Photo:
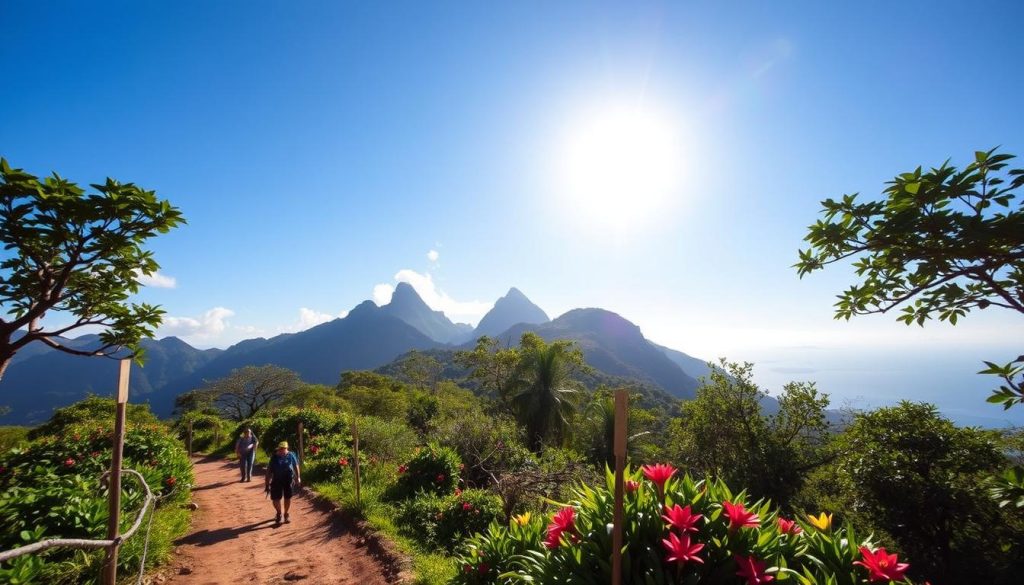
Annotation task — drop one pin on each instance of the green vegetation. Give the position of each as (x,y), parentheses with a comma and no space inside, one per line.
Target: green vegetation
(76,253)
(49,488)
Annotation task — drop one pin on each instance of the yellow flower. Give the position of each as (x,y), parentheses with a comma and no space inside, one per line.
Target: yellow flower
(821,522)
(522,519)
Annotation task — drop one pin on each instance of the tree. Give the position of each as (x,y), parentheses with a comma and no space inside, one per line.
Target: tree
(912,476)
(542,392)
(941,243)
(76,253)
(421,370)
(246,391)
(490,365)
(725,432)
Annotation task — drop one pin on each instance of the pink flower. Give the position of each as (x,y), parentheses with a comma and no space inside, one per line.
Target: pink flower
(659,473)
(632,486)
(563,521)
(740,517)
(554,537)
(681,550)
(467,506)
(752,570)
(789,526)
(881,565)
(314,449)
(69,462)
(682,519)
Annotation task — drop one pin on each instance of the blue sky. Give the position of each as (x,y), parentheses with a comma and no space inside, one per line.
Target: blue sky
(319,150)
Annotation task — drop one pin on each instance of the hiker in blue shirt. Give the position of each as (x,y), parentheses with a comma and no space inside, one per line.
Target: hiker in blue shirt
(245,448)
(282,471)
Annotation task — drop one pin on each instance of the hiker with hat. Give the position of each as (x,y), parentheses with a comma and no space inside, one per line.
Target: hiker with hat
(282,471)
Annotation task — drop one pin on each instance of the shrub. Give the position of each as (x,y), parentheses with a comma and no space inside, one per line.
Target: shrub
(387,440)
(50,489)
(94,409)
(434,470)
(676,530)
(488,446)
(446,520)
(316,422)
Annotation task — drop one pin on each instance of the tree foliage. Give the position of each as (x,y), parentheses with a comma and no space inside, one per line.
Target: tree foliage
(907,472)
(942,243)
(76,253)
(247,391)
(725,432)
(542,392)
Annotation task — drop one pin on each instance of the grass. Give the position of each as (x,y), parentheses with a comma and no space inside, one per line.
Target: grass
(429,567)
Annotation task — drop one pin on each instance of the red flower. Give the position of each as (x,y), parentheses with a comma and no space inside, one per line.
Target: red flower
(440,477)
(632,486)
(467,568)
(467,506)
(170,481)
(682,519)
(752,570)
(740,517)
(881,565)
(94,454)
(343,462)
(565,519)
(483,568)
(402,468)
(458,493)
(314,449)
(789,526)
(69,462)
(659,473)
(681,550)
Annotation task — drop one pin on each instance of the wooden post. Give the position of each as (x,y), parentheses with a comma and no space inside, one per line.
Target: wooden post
(216,437)
(621,401)
(109,576)
(300,445)
(188,441)
(355,457)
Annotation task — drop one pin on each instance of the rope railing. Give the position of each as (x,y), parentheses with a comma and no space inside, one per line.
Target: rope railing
(86,543)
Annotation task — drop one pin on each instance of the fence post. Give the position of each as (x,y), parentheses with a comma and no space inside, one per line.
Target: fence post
(188,442)
(300,446)
(355,457)
(216,437)
(109,576)
(621,400)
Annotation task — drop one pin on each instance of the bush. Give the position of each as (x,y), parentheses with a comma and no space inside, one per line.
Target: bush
(283,426)
(434,470)
(94,409)
(50,489)
(209,431)
(447,520)
(387,440)
(488,446)
(676,530)
(11,437)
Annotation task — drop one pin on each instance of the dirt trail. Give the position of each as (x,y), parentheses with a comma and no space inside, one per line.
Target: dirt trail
(234,539)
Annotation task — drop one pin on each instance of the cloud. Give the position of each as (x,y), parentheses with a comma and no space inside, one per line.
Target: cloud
(437,299)
(210,324)
(156,280)
(433,255)
(382,293)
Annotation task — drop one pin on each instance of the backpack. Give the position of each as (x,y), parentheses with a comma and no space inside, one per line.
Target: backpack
(281,467)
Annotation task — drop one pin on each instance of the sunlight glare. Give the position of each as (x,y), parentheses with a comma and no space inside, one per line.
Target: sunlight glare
(621,165)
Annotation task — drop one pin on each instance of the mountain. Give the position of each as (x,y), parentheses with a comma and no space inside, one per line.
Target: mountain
(614,346)
(694,367)
(409,307)
(46,378)
(509,310)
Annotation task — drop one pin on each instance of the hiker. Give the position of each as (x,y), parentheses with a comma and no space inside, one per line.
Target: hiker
(282,470)
(245,448)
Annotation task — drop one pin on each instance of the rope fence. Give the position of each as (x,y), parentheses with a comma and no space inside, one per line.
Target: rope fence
(86,543)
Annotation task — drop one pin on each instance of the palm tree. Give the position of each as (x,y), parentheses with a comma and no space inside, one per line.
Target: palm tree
(543,394)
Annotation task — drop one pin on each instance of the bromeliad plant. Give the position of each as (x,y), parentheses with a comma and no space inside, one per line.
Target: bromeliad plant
(676,530)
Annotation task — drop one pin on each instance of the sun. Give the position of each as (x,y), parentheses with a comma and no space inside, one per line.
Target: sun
(620,165)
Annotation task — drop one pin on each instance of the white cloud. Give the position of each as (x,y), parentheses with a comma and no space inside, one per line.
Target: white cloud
(212,323)
(156,280)
(382,293)
(433,255)
(437,299)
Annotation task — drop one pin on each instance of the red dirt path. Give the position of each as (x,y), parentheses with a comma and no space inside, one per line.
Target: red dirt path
(233,538)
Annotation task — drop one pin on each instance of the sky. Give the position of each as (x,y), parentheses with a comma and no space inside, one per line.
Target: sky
(321,152)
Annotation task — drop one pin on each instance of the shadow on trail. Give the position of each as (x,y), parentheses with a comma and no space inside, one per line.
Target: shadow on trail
(213,486)
(209,537)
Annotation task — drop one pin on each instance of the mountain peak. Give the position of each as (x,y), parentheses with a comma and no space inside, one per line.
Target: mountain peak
(405,294)
(509,310)
(408,305)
